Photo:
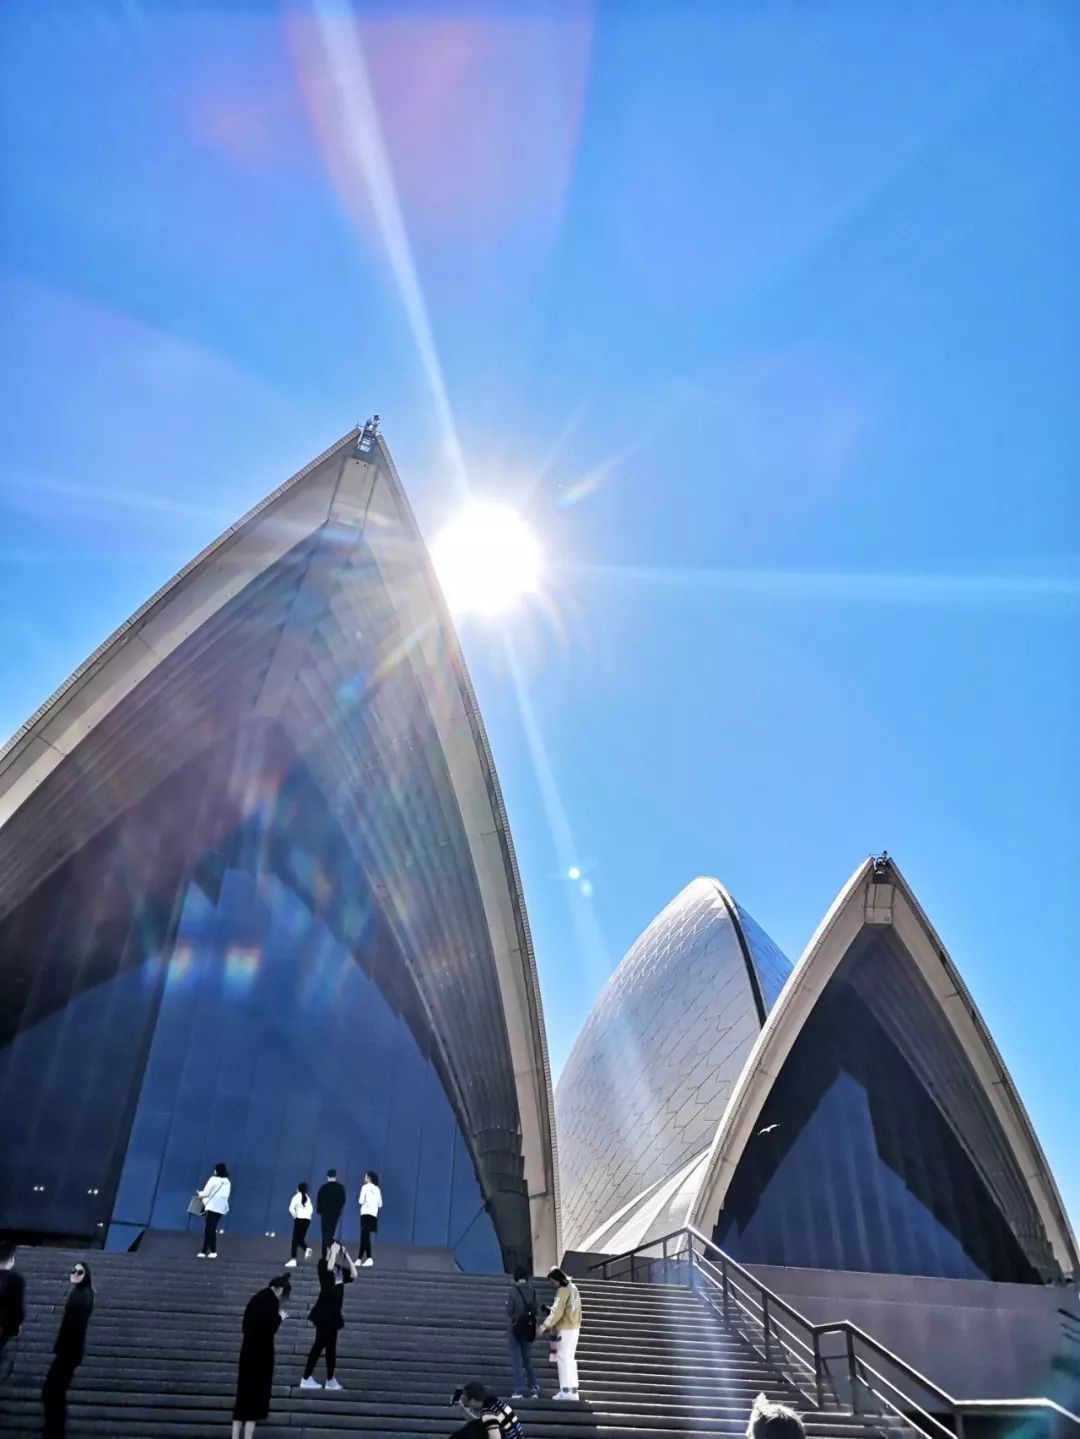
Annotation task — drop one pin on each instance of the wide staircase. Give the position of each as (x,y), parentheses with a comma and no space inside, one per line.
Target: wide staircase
(165,1334)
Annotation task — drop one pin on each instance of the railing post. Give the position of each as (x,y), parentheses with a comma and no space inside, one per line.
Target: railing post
(958,1421)
(631,1269)
(819,1378)
(724,1276)
(691,1268)
(664,1252)
(765,1322)
(853,1372)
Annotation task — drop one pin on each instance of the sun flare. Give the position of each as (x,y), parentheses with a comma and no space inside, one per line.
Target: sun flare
(486,558)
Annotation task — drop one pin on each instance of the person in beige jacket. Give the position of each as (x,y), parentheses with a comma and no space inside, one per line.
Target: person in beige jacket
(564,1319)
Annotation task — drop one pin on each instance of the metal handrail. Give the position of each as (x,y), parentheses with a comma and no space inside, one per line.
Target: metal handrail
(766,1303)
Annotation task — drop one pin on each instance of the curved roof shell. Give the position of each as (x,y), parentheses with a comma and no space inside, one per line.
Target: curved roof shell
(647,1081)
(877,938)
(272,628)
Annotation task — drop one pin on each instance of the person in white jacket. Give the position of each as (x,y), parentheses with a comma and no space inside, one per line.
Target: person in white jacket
(370,1204)
(215,1197)
(301,1209)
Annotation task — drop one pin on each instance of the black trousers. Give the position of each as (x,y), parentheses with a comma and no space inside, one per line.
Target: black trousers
(54,1395)
(368,1225)
(324,1339)
(329,1224)
(299,1236)
(209,1244)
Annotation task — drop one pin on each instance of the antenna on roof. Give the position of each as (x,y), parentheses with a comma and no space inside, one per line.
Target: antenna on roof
(366,443)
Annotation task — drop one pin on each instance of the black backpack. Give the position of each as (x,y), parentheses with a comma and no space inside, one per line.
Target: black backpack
(524,1326)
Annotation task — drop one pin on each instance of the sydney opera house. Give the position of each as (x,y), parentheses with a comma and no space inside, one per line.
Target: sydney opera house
(259,903)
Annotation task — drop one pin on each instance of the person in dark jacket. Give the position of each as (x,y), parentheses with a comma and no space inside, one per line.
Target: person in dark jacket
(335,1271)
(12,1308)
(521,1311)
(329,1203)
(489,1416)
(68,1351)
(255,1374)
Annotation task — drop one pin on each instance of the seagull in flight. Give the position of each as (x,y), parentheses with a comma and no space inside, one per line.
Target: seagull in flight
(768,1129)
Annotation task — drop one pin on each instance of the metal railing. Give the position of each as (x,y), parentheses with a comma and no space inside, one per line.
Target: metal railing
(834,1366)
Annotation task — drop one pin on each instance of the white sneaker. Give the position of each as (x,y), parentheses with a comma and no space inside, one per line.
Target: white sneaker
(312,1383)
(332,1384)
(563,1394)
(211,1256)
(200,1255)
(290,1264)
(366,1263)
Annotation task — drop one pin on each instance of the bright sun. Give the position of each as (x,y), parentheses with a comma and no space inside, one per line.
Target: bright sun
(486,558)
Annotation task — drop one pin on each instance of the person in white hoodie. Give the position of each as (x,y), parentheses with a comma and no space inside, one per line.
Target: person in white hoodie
(370,1204)
(301,1209)
(215,1197)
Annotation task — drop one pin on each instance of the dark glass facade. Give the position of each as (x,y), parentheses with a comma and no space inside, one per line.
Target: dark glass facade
(854,1165)
(245,1031)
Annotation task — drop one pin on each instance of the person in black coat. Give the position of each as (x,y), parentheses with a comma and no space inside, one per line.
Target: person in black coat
(12,1308)
(255,1373)
(329,1203)
(68,1351)
(335,1271)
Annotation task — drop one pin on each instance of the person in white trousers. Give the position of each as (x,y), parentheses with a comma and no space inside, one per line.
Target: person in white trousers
(564,1319)
(370,1204)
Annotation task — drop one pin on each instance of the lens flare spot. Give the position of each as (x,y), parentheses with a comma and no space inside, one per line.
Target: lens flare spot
(487,558)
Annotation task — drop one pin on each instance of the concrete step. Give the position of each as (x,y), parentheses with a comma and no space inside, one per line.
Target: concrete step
(165,1336)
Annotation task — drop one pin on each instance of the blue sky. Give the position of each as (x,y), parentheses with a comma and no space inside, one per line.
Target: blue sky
(765,313)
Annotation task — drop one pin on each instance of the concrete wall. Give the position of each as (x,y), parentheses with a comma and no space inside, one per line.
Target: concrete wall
(975,1339)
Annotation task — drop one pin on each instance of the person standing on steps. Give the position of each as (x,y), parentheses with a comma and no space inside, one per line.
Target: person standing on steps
(68,1351)
(329,1203)
(564,1319)
(12,1309)
(335,1271)
(215,1197)
(255,1373)
(521,1310)
(370,1204)
(301,1210)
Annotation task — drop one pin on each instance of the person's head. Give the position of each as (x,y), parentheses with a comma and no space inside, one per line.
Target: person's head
(773,1421)
(331,1174)
(559,1278)
(281,1284)
(370,1177)
(302,1188)
(473,1397)
(221,1171)
(80,1275)
(7,1254)
(520,1274)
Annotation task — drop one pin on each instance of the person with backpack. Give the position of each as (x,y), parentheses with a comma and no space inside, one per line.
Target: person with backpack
(564,1320)
(521,1308)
